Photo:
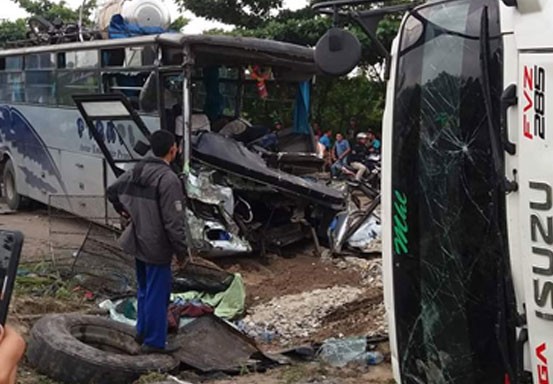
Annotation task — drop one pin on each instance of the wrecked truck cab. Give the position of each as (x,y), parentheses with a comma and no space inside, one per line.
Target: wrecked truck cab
(235,203)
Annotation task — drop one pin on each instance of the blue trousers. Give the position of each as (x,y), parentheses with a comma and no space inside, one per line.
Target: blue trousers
(336,168)
(154,290)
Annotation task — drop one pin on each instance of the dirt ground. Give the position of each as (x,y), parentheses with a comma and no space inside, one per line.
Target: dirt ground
(264,280)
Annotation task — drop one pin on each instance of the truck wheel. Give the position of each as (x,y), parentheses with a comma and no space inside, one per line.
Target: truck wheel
(13,199)
(75,348)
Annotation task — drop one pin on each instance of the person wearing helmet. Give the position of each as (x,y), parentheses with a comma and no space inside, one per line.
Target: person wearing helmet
(359,153)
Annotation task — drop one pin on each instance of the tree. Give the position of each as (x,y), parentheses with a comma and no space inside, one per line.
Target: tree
(244,13)
(179,23)
(12,30)
(335,100)
(51,10)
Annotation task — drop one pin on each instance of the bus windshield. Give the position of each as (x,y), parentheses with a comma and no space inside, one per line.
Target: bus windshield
(448,263)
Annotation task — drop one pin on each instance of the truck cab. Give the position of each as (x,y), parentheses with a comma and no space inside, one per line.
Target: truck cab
(467,191)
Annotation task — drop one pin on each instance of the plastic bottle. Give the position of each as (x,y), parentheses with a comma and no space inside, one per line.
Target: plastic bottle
(374,357)
(341,352)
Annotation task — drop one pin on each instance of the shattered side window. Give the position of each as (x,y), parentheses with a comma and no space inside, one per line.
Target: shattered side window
(447,243)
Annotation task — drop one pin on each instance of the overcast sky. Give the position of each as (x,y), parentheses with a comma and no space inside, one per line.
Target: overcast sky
(196,25)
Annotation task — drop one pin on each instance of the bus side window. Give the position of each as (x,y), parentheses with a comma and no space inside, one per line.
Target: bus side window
(12,87)
(113,57)
(40,78)
(129,84)
(76,75)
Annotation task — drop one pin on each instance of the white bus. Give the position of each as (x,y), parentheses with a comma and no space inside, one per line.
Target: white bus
(48,154)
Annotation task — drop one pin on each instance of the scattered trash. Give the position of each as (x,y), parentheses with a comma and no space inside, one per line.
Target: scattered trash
(356,230)
(210,344)
(300,315)
(259,333)
(202,276)
(228,304)
(356,350)
(302,353)
(181,309)
(89,295)
(368,237)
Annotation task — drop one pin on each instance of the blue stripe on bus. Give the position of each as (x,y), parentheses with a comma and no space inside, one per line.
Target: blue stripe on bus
(23,138)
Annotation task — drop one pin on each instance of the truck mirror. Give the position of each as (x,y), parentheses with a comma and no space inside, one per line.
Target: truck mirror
(338,52)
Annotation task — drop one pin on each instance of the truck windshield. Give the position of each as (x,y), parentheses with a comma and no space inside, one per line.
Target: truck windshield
(449,245)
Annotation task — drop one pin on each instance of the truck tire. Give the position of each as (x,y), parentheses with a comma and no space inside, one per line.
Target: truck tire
(14,200)
(74,348)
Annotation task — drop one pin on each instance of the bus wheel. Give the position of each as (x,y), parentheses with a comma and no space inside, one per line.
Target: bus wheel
(13,199)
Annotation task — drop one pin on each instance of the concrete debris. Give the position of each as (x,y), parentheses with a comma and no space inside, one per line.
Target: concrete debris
(299,315)
(370,270)
(380,320)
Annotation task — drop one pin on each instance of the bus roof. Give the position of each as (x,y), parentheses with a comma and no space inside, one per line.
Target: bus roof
(206,48)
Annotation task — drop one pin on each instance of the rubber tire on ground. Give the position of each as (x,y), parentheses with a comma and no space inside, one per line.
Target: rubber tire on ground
(54,350)
(14,200)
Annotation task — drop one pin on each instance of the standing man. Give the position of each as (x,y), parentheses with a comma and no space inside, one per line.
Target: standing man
(339,154)
(151,197)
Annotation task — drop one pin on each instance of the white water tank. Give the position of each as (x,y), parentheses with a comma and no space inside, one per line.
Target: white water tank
(146,13)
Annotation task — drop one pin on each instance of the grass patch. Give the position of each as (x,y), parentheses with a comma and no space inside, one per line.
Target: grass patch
(43,280)
(294,374)
(151,378)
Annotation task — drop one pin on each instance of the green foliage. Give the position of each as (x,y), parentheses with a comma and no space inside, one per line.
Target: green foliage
(50,9)
(12,30)
(245,13)
(335,101)
(179,23)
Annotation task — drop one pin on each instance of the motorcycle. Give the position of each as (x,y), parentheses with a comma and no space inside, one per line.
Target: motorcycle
(370,182)
(42,31)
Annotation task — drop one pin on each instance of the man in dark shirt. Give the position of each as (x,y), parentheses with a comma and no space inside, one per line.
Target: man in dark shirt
(151,197)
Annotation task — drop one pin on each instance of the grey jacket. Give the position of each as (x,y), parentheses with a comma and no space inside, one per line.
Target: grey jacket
(152,195)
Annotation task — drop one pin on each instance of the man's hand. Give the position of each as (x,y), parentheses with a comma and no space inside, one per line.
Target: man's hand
(181,262)
(12,347)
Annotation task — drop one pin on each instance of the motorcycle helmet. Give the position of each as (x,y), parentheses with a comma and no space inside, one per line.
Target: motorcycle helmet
(362,136)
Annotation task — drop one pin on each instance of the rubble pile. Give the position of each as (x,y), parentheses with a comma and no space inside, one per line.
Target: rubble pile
(370,270)
(380,320)
(299,315)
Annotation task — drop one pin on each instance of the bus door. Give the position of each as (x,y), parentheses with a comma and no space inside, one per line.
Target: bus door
(125,139)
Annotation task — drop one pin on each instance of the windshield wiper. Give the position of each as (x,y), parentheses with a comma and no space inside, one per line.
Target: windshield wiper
(505,290)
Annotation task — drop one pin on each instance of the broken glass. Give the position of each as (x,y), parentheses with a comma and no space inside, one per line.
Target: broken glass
(446,227)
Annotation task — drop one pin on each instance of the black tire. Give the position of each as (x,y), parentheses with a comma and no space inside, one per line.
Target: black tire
(82,349)
(14,200)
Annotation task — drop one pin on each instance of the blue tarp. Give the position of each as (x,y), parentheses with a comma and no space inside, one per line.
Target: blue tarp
(301,109)
(119,29)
